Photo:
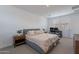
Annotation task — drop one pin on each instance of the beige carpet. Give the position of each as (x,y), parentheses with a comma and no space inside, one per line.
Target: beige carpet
(64,47)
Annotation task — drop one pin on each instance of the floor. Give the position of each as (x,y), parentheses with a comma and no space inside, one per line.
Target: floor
(64,47)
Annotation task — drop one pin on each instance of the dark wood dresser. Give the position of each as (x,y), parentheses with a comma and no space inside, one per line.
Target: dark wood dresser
(76,43)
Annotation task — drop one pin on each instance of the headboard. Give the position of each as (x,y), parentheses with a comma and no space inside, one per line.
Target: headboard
(26,30)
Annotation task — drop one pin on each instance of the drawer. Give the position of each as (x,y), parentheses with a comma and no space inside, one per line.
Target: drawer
(77,52)
(76,45)
(77,49)
(77,42)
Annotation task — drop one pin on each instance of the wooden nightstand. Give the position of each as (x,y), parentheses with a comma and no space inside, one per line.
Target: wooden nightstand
(45,32)
(18,40)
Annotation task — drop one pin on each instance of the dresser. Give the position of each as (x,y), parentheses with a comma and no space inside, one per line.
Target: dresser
(76,43)
(56,31)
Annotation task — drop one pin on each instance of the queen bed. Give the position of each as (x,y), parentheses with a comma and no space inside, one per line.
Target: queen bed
(40,41)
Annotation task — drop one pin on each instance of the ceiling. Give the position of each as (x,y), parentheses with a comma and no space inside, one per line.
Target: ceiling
(45,10)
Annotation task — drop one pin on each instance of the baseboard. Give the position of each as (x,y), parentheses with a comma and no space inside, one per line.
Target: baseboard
(11,45)
(67,37)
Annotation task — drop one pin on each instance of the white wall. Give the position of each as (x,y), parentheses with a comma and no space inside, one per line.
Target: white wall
(72,26)
(12,19)
(75,23)
(62,22)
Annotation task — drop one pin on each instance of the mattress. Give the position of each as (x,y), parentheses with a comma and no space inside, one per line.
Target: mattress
(43,40)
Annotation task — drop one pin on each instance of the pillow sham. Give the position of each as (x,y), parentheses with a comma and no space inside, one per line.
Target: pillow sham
(30,33)
(38,32)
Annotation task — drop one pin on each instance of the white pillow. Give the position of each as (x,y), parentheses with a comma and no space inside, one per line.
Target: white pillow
(39,32)
(34,32)
(30,33)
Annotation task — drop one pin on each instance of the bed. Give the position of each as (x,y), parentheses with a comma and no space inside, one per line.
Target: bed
(40,41)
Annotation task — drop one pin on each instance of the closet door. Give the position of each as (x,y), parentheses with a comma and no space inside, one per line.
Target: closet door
(66,30)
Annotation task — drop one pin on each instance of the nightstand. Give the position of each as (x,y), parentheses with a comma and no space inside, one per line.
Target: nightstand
(45,32)
(18,40)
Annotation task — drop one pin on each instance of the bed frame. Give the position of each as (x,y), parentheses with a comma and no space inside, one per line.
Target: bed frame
(35,46)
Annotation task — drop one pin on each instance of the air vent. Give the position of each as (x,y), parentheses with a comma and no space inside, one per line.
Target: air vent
(75,7)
